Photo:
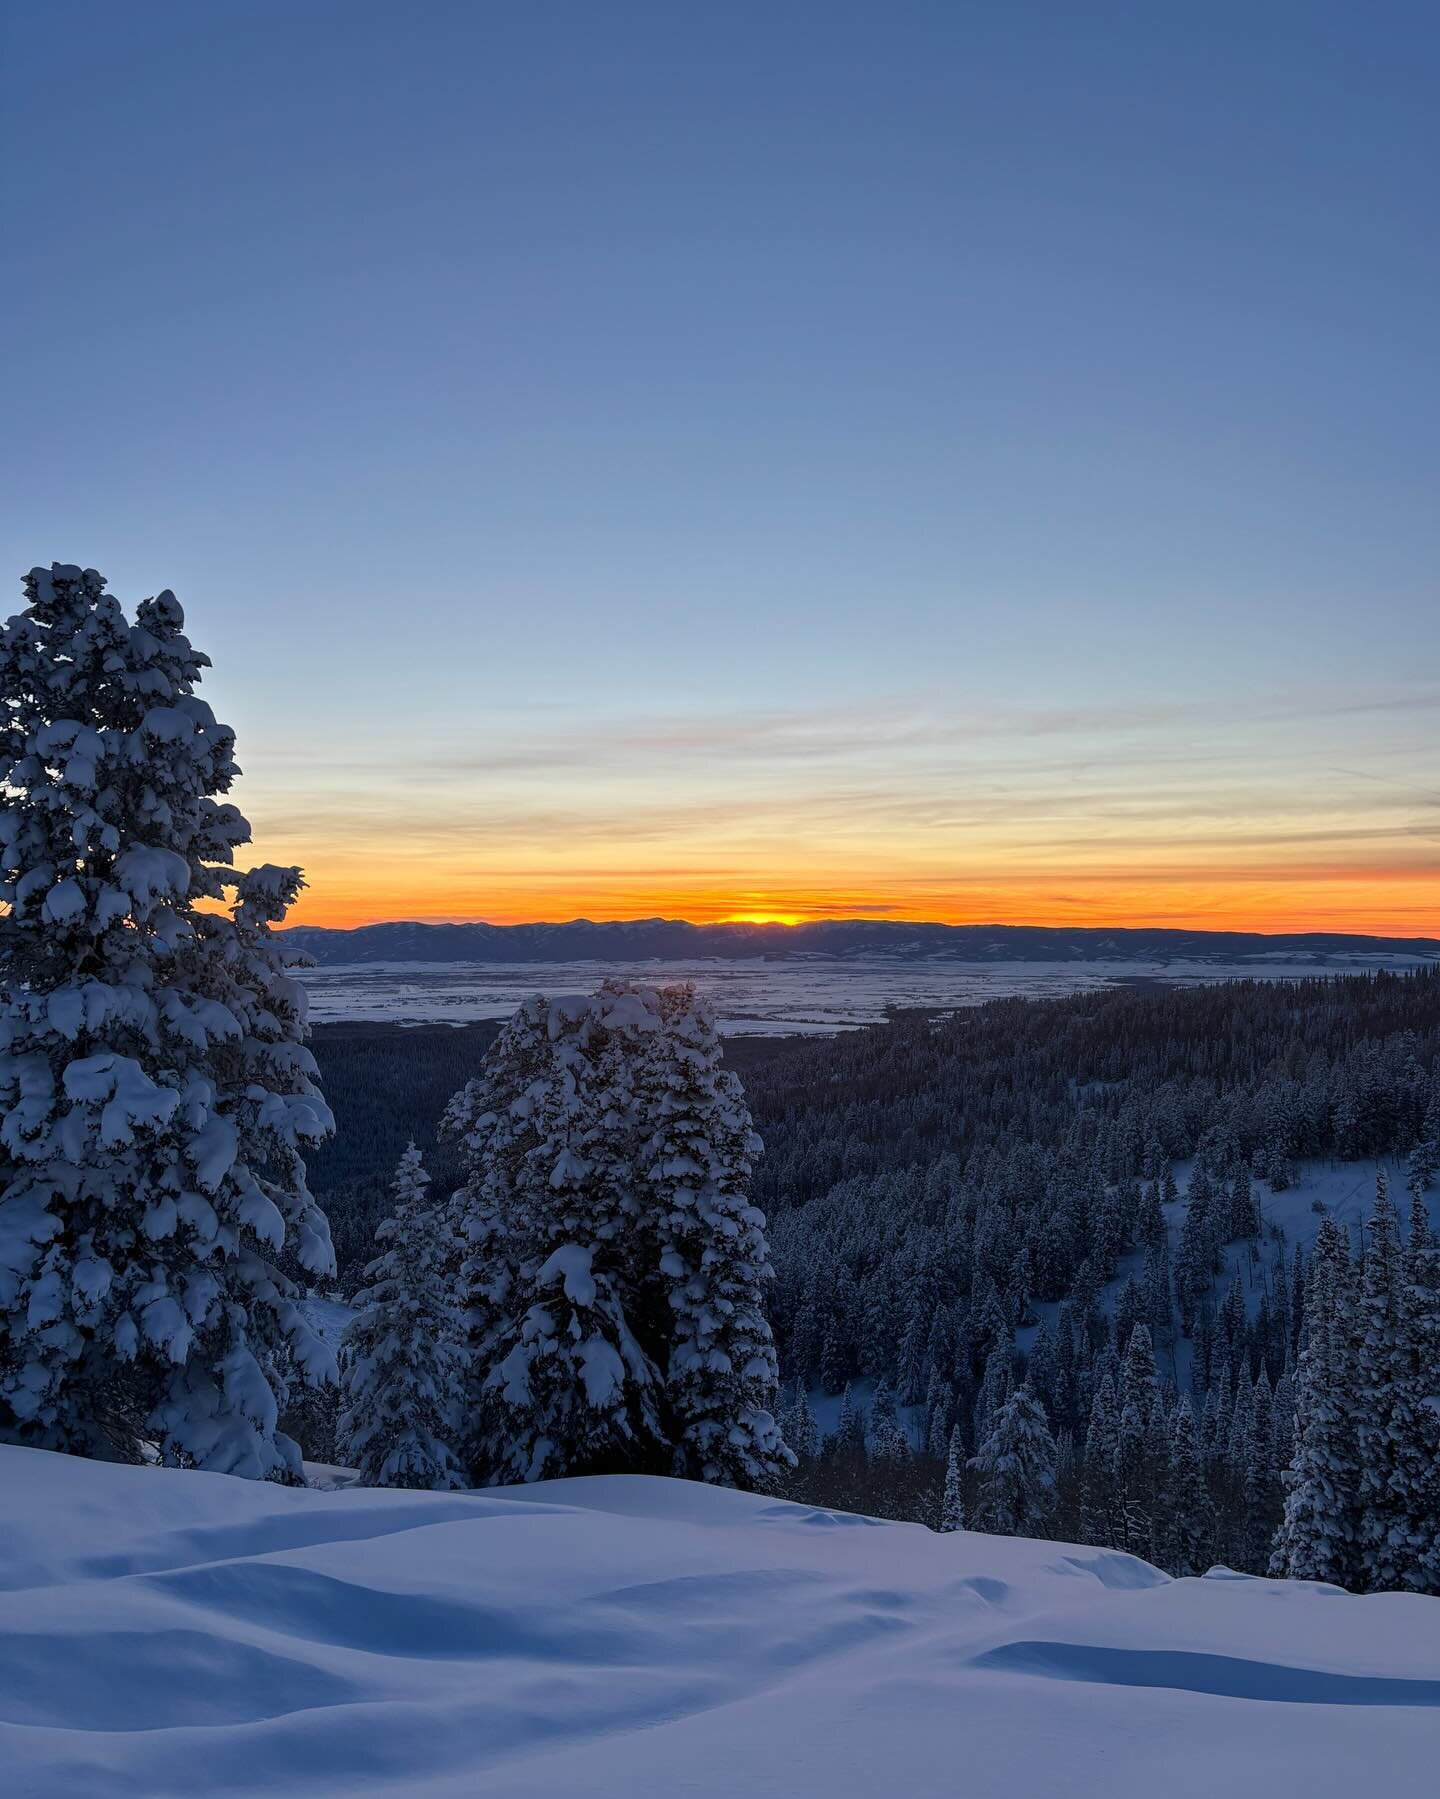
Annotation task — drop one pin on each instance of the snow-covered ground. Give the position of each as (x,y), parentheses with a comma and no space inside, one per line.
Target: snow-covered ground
(328,1318)
(166,1634)
(809,995)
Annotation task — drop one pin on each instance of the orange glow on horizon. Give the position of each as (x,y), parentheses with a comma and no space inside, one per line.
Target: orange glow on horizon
(1284,816)
(1400,903)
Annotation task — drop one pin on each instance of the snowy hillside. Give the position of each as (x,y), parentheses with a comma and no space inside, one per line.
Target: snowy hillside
(165,1633)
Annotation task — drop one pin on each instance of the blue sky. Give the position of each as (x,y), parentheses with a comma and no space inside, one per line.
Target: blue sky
(797,457)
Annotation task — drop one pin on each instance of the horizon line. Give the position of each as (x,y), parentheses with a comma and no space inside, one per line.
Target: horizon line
(898,924)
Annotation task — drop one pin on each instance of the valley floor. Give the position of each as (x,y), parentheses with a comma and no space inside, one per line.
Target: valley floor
(166,1633)
(804,996)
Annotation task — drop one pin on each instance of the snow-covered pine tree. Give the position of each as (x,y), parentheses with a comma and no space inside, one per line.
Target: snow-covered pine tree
(570,1380)
(1158,1290)
(833,1376)
(1420,1167)
(497,1122)
(995,1387)
(1015,1469)
(1397,1439)
(1382,1329)
(1195,1258)
(1099,1519)
(888,1441)
(1257,1482)
(402,1360)
(1141,1455)
(1317,1538)
(1424,1160)
(850,1428)
(1422,1277)
(1283,1421)
(615,1271)
(941,1420)
(695,1159)
(952,1499)
(800,1428)
(1187,1521)
(155,1090)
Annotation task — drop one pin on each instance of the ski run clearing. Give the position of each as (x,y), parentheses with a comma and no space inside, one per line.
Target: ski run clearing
(170,1633)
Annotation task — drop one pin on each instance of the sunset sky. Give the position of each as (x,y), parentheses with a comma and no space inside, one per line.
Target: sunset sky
(973,462)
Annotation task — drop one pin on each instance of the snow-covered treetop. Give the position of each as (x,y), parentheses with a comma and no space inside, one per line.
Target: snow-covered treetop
(113,766)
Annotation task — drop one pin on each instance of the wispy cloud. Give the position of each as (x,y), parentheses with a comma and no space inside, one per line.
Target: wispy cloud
(822,734)
(890,810)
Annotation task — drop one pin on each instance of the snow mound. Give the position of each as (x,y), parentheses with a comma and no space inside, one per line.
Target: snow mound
(166,1633)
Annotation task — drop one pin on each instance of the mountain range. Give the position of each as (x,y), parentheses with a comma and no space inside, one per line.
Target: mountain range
(672,939)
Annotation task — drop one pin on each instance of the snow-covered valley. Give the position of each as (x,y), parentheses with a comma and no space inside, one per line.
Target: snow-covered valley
(795,996)
(167,1633)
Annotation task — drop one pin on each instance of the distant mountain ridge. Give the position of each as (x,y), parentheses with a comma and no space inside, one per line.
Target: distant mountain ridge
(672,939)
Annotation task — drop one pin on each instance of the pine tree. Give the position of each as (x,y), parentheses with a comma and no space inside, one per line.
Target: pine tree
(1397,1435)
(995,1387)
(1283,1412)
(616,1269)
(888,1441)
(1132,1307)
(1422,1277)
(1158,1289)
(1237,1445)
(1210,1429)
(797,1422)
(1424,1160)
(952,1502)
(402,1361)
(154,1085)
(807,1431)
(1217,1441)
(942,1406)
(1195,1258)
(1317,1538)
(1231,1323)
(915,1369)
(497,1121)
(1138,1463)
(1098,1519)
(721,1375)
(1244,1220)
(850,1428)
(1258,1519)
(1188,1516)
(1015,1469)
(1152,1231)
(566,1372)
(1420,1167)
(833,1376)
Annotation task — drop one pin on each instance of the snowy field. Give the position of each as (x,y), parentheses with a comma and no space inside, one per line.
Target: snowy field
(802,995)
(166,1634)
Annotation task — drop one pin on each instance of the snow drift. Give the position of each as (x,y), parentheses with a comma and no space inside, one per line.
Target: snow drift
(166,1633)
